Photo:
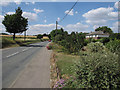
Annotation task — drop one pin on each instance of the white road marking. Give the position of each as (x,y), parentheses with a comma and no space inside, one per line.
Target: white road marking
(18,52)
(24,49)
(12,54)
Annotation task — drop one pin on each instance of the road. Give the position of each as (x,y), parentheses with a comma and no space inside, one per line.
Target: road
(14,60)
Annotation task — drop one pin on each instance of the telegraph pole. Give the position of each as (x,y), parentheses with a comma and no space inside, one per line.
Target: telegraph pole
(56,24)
(24,35)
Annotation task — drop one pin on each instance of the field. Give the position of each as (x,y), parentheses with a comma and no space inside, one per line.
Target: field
(7,40)
(20,37)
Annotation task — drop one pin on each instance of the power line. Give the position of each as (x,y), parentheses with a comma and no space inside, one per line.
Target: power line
(69,11)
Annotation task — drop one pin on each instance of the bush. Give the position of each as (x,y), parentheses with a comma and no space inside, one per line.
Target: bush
(6,42)
(39,36)
(95,47)
(58,38)
(97,68)
(114,46)
(49,47)
(105,40)
(86,42)
(115,36)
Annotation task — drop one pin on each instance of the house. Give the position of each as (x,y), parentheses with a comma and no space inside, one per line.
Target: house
(97,35)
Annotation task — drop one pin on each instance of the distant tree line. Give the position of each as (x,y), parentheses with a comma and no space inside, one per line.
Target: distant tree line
(75,41)
(39,36)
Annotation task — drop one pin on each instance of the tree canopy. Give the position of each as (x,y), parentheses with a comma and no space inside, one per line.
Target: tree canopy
(39,36)
(15,23)
(71,42)
(105,29)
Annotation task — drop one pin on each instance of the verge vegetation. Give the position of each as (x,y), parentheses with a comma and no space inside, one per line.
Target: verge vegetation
(9,42)
(86,63)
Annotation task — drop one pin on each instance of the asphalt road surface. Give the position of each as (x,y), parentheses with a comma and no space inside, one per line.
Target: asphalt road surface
(15,59)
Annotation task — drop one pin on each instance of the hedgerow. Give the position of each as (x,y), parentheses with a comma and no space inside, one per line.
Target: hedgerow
(97,68)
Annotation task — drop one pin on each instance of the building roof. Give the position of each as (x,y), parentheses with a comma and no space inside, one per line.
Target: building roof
(97,33)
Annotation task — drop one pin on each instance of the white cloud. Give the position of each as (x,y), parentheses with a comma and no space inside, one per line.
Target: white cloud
(58,19)
(45,21)
(27,3)
(76,12)
(30,16)
(70,13)
(38,10)
(100,16)
(116,4)
(1,17)
(33,2)
(4,3)
(18,1)
(53,0)
(41,29)
(96,26)
(79,27)
(115,27)
(113,15)
(2,28)
(97,22)
(10,13)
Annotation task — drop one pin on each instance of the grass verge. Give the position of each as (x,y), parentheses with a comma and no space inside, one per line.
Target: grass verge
(63,62)
(6,42)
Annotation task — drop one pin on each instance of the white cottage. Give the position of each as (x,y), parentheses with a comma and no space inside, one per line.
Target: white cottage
(97,35)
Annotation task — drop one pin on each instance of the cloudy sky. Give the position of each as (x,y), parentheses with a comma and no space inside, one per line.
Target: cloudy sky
(84,17)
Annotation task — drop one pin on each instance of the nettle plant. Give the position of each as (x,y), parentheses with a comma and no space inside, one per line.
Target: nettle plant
(97,68)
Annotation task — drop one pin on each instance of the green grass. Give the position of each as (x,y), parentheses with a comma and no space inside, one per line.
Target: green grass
(8,42)
(65,63)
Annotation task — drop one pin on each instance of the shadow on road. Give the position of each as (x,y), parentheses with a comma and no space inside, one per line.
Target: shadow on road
(31,45)
(35,46)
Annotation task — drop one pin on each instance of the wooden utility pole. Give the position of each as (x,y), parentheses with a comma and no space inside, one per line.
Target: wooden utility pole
(56,24)
(24,35)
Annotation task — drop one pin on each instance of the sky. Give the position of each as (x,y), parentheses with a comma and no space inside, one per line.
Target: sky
(84,17)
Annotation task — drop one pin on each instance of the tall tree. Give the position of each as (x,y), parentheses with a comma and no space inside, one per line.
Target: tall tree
(15,23)
(105,29)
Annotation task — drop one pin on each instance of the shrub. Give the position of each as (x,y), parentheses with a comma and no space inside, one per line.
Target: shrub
(114,46)
(115,36)
(39,36)
(58,38)
(97,68)
(49,47)
(6,42)
(86,42)
(95,47)
(105,40)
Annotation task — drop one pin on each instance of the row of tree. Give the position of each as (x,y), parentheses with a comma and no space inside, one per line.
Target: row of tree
(39,36)
(71,42)
(75,41)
